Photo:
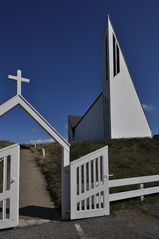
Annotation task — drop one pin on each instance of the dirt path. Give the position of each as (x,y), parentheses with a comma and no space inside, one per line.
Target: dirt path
(35,201)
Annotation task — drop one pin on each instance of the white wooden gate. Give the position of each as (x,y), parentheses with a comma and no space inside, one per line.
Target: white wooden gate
(89,185)
(9,186)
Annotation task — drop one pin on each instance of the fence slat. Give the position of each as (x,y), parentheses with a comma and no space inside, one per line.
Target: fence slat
(134,180)
(90,203)
(80,189)
(84,179)
(89,175)
(99,200)
(133,193)
(94,173)
(99,174)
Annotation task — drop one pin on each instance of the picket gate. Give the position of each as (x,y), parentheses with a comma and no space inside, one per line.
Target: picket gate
(89,185)
(9,186)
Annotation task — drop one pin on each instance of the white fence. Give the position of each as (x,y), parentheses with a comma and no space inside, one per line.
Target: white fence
(90,186)
(133,193)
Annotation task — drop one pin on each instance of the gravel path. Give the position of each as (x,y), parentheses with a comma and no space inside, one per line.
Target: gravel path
(35,202)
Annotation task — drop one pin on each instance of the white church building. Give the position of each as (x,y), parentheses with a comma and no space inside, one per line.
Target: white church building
(117,111)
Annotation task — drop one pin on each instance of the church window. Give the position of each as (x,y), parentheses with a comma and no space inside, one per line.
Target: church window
(116,57)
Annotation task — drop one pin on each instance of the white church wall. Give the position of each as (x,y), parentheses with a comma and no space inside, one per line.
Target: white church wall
(91,125)
(126,113)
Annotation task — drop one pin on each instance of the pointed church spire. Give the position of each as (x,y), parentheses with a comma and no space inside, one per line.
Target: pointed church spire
(127,118)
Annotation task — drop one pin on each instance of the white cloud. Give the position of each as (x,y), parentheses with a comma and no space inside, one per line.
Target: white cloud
(148,107)
(40,141)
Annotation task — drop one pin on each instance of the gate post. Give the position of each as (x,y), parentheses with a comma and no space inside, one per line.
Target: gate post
(65,182)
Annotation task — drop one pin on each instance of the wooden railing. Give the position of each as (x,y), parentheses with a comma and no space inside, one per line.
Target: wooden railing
(133,193)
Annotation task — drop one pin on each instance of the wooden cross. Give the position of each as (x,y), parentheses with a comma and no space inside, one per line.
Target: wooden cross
(19,80)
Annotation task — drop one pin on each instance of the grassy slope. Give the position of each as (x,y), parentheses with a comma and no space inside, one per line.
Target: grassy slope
(127,158)
(4,143)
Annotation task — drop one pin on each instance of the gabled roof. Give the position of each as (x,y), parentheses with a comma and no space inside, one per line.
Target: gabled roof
(20,100)
(81,118)
(73,119)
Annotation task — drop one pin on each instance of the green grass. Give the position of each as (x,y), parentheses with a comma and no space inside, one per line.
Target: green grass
(127,158)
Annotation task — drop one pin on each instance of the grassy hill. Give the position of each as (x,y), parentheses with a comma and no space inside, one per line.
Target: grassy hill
(4,143)
(127,158)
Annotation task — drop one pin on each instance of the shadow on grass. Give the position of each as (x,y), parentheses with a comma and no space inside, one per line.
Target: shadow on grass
(40,212)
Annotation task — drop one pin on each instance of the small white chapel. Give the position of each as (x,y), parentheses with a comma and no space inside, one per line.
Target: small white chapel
(117,111)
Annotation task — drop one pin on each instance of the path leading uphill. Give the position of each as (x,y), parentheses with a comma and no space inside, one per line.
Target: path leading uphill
(35,203)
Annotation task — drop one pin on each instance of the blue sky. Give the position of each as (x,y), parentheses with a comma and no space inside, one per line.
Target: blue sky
(58,45)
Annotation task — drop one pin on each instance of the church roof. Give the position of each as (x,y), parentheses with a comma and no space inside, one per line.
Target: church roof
(74,119)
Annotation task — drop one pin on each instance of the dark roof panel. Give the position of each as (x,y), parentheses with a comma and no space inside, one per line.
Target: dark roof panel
(74,119)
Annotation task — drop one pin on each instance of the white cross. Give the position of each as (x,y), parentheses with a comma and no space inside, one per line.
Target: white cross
(19,80)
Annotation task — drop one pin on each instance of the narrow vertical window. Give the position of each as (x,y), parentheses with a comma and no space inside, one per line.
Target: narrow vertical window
(116,57)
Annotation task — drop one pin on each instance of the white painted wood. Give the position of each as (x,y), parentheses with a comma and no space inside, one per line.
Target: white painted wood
(43,152)
(94,174)
(4,185)
(125,195)
(13,193)
(99,174)
(131,181)
(19,80)
(10,104)
(65,178)
(65,161)
(90,193)
(133,193)
(85,183)
(141,187)
(95,188)
(19,100)
(89,167)
(80,180)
